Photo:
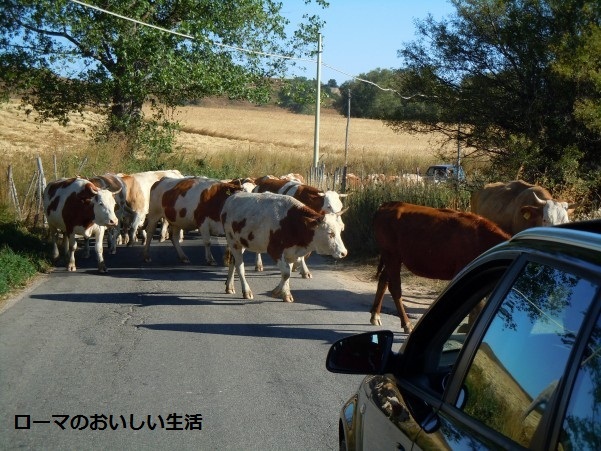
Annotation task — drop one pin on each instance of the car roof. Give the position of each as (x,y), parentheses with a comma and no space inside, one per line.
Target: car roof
(585,235)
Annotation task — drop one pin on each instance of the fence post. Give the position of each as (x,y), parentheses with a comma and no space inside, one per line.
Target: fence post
(40,191)
(13,191)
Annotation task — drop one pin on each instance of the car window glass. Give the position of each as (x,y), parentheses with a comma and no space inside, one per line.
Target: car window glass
(525,349)
(582,423)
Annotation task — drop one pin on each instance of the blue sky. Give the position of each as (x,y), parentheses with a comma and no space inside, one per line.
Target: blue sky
(362,35)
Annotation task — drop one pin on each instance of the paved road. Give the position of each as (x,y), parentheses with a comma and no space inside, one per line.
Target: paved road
(128,360)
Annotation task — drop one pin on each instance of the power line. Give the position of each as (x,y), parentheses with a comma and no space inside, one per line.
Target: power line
(241,49)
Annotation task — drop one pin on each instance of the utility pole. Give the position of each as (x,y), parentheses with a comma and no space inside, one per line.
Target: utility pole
(317,104)
(348,122)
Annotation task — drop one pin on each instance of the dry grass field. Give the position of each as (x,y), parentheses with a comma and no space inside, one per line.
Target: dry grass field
(263,138)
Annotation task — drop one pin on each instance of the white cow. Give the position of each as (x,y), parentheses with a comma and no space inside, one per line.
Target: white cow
(77,206)
(314,198)
(138,199)
(283,227)
(188,203)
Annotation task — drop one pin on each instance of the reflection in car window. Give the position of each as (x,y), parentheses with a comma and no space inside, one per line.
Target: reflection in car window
(582,423)
(525,349)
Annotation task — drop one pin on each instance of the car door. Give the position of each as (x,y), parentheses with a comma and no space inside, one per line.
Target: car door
(385,421)
(507,383)
(393,409)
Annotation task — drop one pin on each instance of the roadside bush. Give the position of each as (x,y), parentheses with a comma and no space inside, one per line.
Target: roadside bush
(16,270)
(23,253)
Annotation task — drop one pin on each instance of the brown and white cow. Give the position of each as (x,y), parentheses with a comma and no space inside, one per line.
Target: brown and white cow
(188,203)
(138,199)
(314,198)
(115,184)
(283,227)
(518,205)
(430,242)
(76,206)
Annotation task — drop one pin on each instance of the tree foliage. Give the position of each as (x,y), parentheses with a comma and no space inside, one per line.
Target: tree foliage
(518,81)
(62,56)
(371,98)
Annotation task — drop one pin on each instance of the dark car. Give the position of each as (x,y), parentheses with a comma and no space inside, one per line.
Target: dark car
(444,172)
(507,357)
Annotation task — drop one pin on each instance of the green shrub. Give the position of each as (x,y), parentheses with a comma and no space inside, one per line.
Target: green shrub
(15,269)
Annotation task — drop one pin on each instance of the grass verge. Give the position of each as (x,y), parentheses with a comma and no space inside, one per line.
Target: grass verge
(23,255)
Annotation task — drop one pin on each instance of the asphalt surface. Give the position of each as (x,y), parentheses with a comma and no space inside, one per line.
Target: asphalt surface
(158,356)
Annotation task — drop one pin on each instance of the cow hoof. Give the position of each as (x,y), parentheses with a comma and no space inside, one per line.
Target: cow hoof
(288,298)
(408,328)
(230,291)
(376,320)
(307,276)
(259,268)
(103,270)
(186,261)
(248,295)
(147,259)
(114,252)
(211,263)
(71,268)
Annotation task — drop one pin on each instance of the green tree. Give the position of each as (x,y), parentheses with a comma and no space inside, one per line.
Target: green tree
(374,96)
(62,56)
(298,95)
(367,100)
(502,76)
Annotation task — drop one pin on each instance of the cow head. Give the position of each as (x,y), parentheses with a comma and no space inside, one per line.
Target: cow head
(104,208)
(327,239)
(331,201)
(546,212)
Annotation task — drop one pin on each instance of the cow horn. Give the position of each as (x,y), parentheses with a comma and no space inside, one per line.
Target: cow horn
(342,211)
(538,200)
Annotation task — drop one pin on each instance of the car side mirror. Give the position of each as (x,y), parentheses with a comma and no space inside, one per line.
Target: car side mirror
(365,353)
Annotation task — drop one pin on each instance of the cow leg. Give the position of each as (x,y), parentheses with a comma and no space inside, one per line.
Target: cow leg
(376,320)
(229,281)
(259,263)
(147,238)
(137,222)
(86,247)
(53,233)
(238,263)
(164,236)
(178,248)
(283,288)
(304,269)
(205,233)
(71,252)
(111,239)
(65,245)
(394,286)
(98,246)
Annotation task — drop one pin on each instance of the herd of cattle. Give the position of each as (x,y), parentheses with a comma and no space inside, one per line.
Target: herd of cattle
(287,219)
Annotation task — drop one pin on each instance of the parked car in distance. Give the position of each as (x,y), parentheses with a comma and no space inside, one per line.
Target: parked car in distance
(507,357)
(444,172)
